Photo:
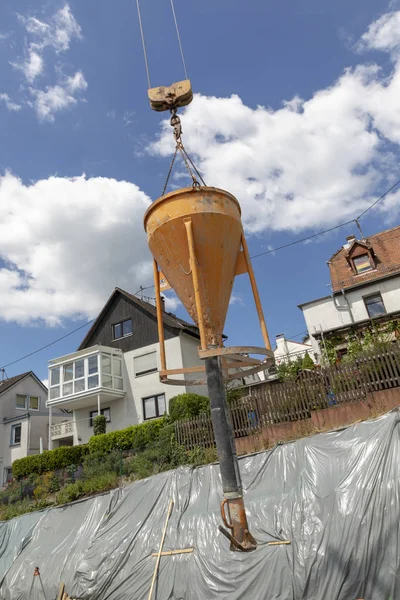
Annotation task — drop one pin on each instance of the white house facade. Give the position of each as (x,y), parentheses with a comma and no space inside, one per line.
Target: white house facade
(365,281)
(115,371)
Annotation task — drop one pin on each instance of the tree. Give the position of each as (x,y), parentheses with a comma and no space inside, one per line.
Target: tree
(99,425)
(186,406)
(307,362)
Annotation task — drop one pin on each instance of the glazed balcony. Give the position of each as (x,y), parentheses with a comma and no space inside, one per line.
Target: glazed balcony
(86,378)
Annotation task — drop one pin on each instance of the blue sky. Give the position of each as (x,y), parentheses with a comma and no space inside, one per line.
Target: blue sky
(296,113)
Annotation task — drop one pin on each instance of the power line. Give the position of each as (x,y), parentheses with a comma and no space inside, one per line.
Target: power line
(309,237)
(379,199)
(299,241)
(48,345)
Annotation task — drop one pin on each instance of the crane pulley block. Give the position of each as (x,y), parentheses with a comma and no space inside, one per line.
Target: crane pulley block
(167,98)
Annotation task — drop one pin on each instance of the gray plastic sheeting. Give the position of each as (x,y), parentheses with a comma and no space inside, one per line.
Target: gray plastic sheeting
(335,496)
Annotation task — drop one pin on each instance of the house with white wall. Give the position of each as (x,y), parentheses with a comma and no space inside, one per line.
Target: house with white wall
(115,370)
(290,351)
(24,419)
(365,282)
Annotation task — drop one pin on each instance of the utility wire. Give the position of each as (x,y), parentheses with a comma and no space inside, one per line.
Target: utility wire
(146,62)
(48,345)
(141,289)
(379,199)
(179,38)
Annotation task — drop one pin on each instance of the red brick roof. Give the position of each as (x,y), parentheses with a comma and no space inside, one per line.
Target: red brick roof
(384,248)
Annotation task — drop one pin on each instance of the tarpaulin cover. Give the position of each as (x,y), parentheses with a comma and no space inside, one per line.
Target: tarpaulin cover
(335,496)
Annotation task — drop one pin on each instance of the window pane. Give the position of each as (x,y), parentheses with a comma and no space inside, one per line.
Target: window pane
(79,386)
(117,331)
(147,363)
(127,327)
(79,369)
(34,402)
(362,263)
(55,392)
(106,380)
(16,434)
(20,401)
(93,382)
(118,383)
(55,376)
(92,364)
(374,305)
(67,389)
(68,371)
(161,404)
(106,412)
(106,363)
(117,367)
(149,406)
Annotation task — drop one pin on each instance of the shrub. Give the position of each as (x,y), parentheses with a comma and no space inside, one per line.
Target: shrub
(99,425)
(307,362)
(135,437)
(201,456)
(101,483)
(97,464)
(50,460)
(70,493)
(186,406)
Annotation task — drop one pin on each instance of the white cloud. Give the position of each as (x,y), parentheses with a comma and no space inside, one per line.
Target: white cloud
(235,299)
(10,105)
(31,67)
(57,32)
(309,163)
(66,243)
(382,34)
(58,97)
(172,302)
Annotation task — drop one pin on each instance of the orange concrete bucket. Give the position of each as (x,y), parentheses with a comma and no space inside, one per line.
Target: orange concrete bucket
(195,236)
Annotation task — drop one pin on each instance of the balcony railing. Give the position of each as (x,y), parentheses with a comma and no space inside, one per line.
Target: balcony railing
(62,430)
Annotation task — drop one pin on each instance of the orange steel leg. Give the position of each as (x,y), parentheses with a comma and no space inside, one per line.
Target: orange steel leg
(160,323)
(256,295)
(196,282)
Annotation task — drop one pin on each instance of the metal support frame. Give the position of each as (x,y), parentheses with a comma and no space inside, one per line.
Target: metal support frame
(240,537)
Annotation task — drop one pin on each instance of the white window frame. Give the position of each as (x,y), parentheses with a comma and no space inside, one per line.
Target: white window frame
(73,380)
(121,337)
(27,402)
(149,372)
(12,434)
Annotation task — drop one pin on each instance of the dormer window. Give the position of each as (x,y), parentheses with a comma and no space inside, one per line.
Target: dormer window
(362,264)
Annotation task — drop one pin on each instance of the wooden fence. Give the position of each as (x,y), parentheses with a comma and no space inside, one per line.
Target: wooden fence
(270,403)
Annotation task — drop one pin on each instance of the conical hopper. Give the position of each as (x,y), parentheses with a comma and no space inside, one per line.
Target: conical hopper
(209,219)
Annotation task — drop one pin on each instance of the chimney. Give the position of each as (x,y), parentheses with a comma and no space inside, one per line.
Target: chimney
(349,240)
(162,303)
(280,339)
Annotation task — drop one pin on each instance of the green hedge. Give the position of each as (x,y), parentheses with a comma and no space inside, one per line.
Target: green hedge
(135,437)
(50,460)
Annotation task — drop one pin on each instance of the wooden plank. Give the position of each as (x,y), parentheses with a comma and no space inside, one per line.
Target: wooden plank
(280,543)
(170,507)
(390,368)
(173,552)
(61,591)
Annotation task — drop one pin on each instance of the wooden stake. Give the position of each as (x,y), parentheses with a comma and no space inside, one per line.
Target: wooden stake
(283,542)
(172,552)
(171,504)
(61,592)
